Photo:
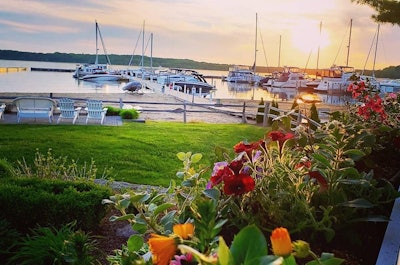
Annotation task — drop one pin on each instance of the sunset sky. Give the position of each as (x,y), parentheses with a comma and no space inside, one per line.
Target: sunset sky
(220,31)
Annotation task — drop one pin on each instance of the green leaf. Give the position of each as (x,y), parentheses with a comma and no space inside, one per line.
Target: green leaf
(181,156)
(358,203)
(135,243)
(121,218)
(372,218)
(321,159)
(354,154)
(212,194)
(189,182)
(140,228)
(326,259)
(248,244)
(224,255)
(196,158)
(124,203)
(162,208)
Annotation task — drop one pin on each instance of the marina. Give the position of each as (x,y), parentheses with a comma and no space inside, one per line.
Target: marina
(46,81)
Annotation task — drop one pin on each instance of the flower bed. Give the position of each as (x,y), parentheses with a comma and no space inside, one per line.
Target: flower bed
(326,186)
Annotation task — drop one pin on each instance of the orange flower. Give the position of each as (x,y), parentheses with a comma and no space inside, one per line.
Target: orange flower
(185,231)
(281,242)
(163,248)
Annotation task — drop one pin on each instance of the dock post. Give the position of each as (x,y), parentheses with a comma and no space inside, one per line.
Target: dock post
(121,104)
(244,120)
(184,112)
(266,112)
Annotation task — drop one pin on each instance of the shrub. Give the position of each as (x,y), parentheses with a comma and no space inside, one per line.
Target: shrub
(112,111)
(50,167)
(129,114)
(6,170)
(8,239)
(56,246)
(27,202)
(261,108)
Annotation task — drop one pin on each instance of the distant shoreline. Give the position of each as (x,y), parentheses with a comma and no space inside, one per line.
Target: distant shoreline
(392,72)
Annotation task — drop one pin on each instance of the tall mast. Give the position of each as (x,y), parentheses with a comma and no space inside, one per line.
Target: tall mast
(151,52)
(255,49)
(348,47)
(143,46)
(319,44)
(376,49)
(97,47)
(279,55)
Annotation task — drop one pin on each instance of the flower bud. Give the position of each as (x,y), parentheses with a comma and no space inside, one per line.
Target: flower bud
(301,249)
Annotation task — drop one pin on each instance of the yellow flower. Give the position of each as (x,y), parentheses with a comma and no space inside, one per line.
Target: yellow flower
(163,248)
(281,242)
(185,231)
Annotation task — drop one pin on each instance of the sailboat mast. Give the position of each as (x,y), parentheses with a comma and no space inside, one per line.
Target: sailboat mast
(348,47)
(376,49)
(151,52)
(279,55)
(142,64)
(255,49)
(97,46)
(319,44)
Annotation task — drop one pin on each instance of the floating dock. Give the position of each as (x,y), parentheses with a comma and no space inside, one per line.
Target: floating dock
(13,69)
(52,70)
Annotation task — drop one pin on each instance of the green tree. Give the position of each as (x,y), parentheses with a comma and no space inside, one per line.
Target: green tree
(388,11)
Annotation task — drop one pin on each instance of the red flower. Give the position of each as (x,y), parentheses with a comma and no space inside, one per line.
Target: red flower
(246,147)
(236,166)
(323,184)
(238,184)
(279,136)
(221,175)
(302,164)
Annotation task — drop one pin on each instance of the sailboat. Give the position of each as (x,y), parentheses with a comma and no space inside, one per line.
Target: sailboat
(337,78)
(96,71)
(243,73)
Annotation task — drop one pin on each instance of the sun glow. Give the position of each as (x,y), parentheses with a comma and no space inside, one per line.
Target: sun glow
(308,38)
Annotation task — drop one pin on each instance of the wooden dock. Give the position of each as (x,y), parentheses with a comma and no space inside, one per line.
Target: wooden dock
(12,69)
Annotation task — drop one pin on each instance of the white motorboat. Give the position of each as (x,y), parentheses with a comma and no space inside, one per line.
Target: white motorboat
(335,79)
(389,86)
(291,77)
(242,74)
(104,76)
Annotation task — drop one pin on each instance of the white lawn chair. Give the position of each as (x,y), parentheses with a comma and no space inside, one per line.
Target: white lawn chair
(68,110)
(2,109)
(95,111)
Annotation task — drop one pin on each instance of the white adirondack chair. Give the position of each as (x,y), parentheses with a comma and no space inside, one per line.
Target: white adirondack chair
(2,108)
(95,111)
(68,110)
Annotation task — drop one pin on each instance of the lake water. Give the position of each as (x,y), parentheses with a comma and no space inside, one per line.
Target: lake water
(63,82)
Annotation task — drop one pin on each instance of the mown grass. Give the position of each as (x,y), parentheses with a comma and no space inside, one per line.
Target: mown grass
(142,153)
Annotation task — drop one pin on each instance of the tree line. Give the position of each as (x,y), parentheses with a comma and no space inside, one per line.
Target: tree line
(392,72)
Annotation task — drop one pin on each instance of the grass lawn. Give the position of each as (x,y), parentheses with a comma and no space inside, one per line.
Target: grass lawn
(142,153)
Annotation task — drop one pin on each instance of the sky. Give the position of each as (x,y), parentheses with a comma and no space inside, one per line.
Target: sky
(302,33)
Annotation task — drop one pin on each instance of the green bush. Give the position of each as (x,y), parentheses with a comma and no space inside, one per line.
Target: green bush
(129,114)
(8,239)
(56,246)
(112,111)
(5,169)
(28,202)
(261,108)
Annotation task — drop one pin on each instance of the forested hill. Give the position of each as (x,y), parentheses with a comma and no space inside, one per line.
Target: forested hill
(114,59)
(392,72)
